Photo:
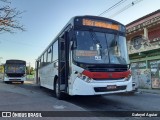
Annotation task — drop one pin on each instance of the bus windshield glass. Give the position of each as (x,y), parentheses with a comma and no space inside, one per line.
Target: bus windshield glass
(100,48)
(15,68)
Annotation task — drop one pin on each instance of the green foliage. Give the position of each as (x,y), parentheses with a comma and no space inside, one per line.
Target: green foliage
(30,70)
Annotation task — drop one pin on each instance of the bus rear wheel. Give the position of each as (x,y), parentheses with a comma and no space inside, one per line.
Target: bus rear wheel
(58,93)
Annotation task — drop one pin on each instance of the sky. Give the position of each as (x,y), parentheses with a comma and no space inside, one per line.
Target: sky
(43,20)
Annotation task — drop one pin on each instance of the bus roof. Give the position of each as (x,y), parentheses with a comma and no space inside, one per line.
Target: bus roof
(12,61)
(71,24)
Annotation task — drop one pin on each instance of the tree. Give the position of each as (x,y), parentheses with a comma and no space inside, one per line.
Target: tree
(29,70)
(8,18)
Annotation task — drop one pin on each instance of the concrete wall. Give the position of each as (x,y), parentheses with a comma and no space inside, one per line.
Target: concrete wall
(142,77)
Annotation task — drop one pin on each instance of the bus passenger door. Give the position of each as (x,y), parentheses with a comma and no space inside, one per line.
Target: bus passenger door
(36,68)
(63,62)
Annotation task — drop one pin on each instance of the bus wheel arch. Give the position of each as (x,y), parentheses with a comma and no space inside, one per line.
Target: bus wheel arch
(54,82)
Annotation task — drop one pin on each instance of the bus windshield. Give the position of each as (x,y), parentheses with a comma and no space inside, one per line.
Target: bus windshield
(15,68)
(100,48)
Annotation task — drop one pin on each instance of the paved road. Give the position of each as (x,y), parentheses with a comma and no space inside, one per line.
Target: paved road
(29,97)
(137,102)
(121,102)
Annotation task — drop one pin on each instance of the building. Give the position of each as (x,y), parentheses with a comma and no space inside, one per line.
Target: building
(143,40)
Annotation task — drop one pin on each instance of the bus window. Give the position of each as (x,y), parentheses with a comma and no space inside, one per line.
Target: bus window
(49,55)
(39,63)
(42,61)
(45,58)
(55,51)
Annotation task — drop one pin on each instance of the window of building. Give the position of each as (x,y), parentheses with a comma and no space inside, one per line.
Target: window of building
(137,42)
(154,34)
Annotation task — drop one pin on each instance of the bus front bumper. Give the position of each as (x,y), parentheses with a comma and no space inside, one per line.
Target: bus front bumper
(12,79)
(100,87)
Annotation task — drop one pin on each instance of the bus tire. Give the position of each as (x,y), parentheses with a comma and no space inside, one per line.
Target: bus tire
(58,93)
(8,82)
(22,82)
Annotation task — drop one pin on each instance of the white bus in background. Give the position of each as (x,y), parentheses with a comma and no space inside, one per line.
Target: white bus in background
(88,57)
(14,71)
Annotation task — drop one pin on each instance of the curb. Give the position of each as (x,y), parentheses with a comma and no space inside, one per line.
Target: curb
(149,91)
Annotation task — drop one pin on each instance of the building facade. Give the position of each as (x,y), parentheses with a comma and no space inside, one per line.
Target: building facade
(143,40)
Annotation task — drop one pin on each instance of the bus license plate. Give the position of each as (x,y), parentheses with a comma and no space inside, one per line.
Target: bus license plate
(111,87)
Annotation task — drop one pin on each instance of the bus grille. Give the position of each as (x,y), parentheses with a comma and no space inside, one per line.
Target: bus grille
(106,69)
(15,75)
(14,79)
(104,89)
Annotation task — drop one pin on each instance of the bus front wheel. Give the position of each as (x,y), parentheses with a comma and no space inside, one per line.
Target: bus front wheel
(58,93)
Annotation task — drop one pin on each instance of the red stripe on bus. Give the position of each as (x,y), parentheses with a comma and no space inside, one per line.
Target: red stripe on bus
(106,75)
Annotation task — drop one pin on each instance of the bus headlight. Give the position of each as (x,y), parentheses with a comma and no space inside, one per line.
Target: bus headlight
(84,77)
(127,78)
(5,75)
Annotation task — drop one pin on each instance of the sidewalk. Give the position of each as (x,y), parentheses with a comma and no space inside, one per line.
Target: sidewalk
(153,91)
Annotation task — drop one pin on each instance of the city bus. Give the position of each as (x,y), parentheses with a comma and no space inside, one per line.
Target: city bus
(14,71)
(88,57)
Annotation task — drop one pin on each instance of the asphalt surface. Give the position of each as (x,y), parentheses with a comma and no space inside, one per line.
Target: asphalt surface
(32,98)
(29,97)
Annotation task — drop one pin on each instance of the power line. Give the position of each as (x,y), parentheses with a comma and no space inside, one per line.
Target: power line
(112,7)
(125,8)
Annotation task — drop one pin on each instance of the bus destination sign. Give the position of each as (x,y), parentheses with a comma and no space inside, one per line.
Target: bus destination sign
(101,24)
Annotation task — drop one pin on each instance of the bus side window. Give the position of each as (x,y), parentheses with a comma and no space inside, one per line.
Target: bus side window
(49,55)
(42,61)
(55,51)
(39,63)
(45,58)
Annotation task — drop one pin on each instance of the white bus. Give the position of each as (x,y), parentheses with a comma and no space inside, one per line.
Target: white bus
(14,71)
(88,57)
